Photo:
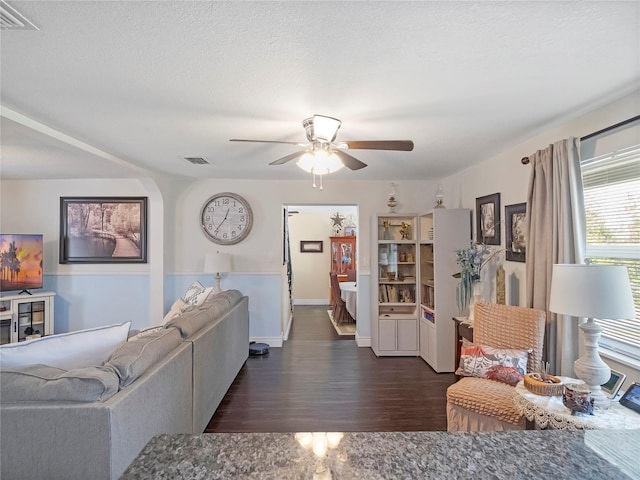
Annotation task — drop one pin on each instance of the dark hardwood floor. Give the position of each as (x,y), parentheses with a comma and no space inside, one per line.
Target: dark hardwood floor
(321,381)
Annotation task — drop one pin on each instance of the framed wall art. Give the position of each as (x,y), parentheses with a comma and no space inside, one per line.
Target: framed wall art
(488,219)
(103,229)
(515,225)
(311,246)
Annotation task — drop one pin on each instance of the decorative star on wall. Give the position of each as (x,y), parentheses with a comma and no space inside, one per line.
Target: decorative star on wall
(337,219)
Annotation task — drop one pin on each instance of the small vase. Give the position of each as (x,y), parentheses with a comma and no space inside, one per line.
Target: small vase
(475,298)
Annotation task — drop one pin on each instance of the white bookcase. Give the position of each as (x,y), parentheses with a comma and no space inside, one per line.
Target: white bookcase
(441,232)
(394,329)
(23,315)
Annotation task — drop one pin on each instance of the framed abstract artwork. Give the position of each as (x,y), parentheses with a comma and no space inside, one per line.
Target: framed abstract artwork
(515,226)
(488,219)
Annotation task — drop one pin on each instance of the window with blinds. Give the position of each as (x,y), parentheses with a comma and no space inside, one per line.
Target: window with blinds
(612,202)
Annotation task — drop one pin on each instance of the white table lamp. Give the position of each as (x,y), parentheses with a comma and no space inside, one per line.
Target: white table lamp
(592,291)
(217,263)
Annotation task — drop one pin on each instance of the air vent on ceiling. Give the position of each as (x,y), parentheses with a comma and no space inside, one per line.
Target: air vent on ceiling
(196,160)
(11,19)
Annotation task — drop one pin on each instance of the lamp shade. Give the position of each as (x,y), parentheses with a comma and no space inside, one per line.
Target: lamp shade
(217,263)
(594,291)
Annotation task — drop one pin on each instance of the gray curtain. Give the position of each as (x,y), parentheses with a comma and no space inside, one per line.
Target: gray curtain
(556,233)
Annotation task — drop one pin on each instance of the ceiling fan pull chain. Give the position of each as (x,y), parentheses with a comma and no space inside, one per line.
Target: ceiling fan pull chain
(321,187)
(314,178)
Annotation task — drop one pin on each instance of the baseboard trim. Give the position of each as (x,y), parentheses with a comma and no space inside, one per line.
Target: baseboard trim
(311,301)
(362,341)
(275,342)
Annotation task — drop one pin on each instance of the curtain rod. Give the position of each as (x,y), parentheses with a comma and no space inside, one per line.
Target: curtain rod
(525,160)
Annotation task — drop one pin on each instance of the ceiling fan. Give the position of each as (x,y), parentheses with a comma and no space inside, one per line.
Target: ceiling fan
(322,154)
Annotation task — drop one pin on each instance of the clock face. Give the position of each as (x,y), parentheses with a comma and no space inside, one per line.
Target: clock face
(226,218)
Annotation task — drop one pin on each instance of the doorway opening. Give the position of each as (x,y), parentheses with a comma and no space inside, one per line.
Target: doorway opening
(317,240)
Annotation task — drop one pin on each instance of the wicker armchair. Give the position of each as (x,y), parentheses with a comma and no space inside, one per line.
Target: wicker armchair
(479,404)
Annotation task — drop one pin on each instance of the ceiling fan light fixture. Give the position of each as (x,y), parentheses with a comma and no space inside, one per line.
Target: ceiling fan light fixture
(320,162)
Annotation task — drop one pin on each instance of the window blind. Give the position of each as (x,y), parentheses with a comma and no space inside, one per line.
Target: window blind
(612,203)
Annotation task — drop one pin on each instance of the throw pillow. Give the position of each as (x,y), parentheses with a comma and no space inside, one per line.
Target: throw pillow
(483,361)
(178,308)
(196,294)
(42,383)
(79,349)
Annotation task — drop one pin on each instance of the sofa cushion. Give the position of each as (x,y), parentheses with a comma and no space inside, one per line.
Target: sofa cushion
(79,349)
(232,296)
(190,322)
(133,358)
(144,333)
(46,383)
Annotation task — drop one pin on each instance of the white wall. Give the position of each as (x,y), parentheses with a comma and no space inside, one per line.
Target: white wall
(261,253)
(311,270)
(87,295)
(505,174)
(95,295)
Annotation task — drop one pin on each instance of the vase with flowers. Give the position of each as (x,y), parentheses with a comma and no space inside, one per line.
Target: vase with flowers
(471,261)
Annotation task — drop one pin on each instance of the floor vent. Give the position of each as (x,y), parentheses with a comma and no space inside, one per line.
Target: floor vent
(196,160)
(11,19)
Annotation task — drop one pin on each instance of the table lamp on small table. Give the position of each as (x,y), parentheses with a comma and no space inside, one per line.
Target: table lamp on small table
(592,291)
(217,263)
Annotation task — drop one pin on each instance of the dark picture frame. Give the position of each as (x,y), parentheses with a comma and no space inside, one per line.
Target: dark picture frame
(103,229)
(311,246)
(515,217)
(488,219)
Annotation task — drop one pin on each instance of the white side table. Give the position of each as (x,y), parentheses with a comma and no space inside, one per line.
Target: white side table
(550,412)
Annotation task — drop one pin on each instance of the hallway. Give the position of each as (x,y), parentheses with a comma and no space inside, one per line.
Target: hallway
(321,381)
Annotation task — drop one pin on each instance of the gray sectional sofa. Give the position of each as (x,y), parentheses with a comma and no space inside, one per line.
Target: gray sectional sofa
(91,423)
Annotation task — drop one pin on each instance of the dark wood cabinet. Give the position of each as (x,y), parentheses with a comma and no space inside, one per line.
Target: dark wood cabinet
(463,330)
(343,256)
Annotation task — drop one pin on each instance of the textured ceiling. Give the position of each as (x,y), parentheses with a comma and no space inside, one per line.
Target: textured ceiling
(152,82)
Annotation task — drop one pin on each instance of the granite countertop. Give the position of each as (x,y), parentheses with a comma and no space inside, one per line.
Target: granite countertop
(393,455)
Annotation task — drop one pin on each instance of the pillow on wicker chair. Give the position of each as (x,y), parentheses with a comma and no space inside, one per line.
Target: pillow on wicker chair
(505,365)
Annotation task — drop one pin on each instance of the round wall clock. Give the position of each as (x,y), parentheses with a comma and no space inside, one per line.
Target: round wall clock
(226,218)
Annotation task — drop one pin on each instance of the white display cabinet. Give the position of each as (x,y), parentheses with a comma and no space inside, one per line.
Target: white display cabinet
(441,232)
(394,329)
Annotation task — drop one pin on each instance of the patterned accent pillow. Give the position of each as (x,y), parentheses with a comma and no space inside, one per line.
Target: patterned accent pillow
(505,365)
(196,294)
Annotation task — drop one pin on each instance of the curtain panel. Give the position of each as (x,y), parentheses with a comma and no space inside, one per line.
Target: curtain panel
(556,233)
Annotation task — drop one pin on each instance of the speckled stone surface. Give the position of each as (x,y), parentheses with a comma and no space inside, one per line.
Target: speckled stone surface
(557,455)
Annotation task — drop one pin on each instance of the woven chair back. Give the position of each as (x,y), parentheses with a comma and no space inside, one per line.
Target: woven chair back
(506,326)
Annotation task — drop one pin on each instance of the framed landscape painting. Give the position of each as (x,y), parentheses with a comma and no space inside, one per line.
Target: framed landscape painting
(515,221)
(103,229)
(488,219)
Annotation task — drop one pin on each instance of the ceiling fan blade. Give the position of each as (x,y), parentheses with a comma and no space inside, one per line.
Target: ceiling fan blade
(401,145)
(266,141)
(349,161)
(288,158)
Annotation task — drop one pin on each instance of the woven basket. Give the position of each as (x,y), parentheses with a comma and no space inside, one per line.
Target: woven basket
(541,388)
